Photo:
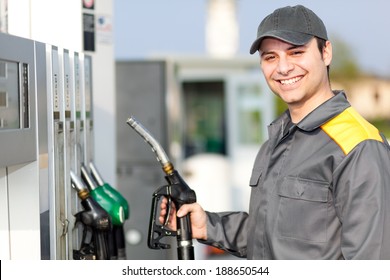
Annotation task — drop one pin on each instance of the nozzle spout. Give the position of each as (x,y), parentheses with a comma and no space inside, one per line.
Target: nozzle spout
(87,178)
(156,147)
(78,185)
(96,175)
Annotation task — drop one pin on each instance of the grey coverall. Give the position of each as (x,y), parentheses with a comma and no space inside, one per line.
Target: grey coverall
(320,190)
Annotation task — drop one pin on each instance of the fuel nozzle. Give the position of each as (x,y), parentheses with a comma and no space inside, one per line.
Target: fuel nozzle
(109,190)
(113,207)
(94,215)
(118,230)
(94,218)
(79,186)
(176,191)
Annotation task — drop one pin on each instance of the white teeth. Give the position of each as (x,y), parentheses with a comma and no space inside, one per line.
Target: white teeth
(290,81)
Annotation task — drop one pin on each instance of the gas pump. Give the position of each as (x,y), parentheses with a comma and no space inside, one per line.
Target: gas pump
(76,144)
(117,209)
(67,143)
(87,114)
(71,198)
(56,133)
(19,180)
(46,131)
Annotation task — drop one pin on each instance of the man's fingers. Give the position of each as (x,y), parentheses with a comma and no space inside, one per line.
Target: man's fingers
(184,210)
(164,203)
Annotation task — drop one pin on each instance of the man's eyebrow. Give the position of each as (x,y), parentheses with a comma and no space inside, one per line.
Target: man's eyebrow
(292,47)
(262,53)
(297,47)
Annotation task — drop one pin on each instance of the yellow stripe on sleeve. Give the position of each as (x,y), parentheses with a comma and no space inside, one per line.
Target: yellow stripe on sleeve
(348,129)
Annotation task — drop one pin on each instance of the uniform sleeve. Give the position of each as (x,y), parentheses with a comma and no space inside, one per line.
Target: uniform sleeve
(362,201)
(227,231)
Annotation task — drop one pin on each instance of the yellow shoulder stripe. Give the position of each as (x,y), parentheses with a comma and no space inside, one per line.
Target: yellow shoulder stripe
(348,129)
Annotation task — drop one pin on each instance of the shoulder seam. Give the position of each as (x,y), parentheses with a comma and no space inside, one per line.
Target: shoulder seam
(349,128)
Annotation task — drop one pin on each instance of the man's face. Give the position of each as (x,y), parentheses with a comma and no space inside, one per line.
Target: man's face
(297,74)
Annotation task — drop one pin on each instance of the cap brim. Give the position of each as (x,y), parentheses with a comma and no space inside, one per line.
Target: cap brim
(294,38)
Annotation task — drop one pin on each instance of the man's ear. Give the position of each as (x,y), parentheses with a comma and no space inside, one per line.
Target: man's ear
(327,53)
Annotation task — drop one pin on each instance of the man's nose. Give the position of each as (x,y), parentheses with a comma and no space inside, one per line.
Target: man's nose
(285,66)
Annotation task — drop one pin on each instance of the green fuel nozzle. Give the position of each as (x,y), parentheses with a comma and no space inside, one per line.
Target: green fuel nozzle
(119,231)
(113,208)
(112,192)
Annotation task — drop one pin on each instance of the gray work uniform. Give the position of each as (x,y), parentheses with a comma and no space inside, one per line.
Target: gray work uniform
(320,190)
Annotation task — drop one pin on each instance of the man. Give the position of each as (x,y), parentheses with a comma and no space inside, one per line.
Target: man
(321,183)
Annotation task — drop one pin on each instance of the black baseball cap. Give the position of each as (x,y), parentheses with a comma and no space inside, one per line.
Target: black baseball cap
(295,25)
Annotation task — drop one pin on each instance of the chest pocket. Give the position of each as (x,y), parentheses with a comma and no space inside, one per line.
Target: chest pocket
(255,178)
(303,209)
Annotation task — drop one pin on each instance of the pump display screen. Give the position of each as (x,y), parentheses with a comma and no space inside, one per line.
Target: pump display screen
(18,129)
(13,95)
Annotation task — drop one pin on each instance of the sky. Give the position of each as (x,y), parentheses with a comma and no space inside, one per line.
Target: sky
(157,27)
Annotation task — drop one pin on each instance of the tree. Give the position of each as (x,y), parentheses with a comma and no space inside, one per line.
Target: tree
(344,65)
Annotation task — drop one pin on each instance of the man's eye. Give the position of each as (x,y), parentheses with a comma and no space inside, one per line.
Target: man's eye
(297,53)
(269,58)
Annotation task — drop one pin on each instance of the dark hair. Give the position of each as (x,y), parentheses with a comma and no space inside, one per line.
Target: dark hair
(321,45)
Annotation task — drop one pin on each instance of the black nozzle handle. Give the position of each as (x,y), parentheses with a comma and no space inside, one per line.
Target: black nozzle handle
(157,231)
(112,247)
(180,194)
(101,250)
(119,234)
(185,249)
(177,191)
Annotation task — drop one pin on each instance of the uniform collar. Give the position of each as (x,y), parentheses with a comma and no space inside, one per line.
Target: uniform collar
(282,126)
(326,111)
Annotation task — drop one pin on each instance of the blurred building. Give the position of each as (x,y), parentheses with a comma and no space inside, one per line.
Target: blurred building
(371,97)
(222,30)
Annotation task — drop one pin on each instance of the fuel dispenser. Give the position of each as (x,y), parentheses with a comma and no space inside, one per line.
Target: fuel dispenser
(69,91)
(41,136)
(70,159)
(76,143)
(56,131)
(19,180)
(87,114)
(46,135)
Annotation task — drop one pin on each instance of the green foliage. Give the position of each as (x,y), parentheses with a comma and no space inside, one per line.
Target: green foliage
(345,69)
(344,65)
(383,126)
(281,106)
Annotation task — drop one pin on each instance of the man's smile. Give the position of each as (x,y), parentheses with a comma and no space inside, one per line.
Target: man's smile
(290,81)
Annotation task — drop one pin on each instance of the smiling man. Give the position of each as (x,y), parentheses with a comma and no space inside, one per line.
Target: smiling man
(321,182)
(297,73)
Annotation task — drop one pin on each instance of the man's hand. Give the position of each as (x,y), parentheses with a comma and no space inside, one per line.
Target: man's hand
(197,215)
